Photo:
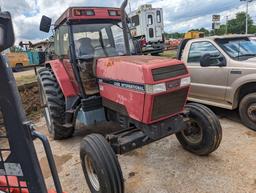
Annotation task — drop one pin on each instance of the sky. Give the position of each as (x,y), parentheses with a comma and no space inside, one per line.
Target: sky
(179,15)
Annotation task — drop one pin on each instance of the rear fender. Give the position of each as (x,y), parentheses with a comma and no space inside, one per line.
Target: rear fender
(63,78)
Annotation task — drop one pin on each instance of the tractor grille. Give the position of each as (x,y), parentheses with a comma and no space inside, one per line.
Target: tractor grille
(169,72)
(169,103)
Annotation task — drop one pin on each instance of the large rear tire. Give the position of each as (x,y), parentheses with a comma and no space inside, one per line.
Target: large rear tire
(53,102)
(204,132)
(247,111)
(100,165)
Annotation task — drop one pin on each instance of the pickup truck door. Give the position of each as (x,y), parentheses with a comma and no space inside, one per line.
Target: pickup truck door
(208,83)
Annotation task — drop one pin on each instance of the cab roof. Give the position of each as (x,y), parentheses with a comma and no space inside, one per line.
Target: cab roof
(89,13)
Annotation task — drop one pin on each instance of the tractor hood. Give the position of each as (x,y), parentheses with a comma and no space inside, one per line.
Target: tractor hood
(134,69)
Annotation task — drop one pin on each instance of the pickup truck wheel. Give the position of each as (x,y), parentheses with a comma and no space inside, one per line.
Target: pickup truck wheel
(247,111)
(100,165)
(204,132)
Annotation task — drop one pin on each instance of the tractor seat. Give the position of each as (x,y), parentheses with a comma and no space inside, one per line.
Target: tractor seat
(84,47)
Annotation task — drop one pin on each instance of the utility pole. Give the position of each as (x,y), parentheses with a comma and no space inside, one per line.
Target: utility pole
(130,7)
(226,25)
(247,15)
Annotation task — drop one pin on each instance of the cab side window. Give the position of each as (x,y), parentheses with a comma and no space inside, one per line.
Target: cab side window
(198,49)
(150,19)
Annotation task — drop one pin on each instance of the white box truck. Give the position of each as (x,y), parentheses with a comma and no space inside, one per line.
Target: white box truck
(147,26)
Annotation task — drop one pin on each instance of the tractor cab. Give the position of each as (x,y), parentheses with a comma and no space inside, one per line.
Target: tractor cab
(94,33)
(85,34)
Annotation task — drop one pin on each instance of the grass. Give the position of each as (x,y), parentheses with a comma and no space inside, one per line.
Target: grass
(170,53)
(26,79)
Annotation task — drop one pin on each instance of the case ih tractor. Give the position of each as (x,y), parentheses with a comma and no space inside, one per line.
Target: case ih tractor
(99,78)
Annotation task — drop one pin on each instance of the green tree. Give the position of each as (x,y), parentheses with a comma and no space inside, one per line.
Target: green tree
(220,31)
(237,25)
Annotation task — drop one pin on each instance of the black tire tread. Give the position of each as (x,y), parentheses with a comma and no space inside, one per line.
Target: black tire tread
(215,131)
(107,159)
(56,103)
(215,121)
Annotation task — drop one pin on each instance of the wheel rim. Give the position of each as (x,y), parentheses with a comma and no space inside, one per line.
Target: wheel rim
(194,133)
(94,180)
(46,110)
(252,112)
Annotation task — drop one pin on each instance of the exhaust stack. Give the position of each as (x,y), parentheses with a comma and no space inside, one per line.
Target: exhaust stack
(124,24)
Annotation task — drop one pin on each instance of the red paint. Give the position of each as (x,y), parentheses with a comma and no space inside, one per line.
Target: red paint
(65,82)
(100,13)
(134,69)
(131,99)
(13,182)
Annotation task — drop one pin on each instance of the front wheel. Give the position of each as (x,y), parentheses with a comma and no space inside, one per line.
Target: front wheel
(100,165)
(203,133)
(247,111)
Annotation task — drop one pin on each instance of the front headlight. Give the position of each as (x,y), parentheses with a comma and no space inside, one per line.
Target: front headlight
(185,82)
(154,89)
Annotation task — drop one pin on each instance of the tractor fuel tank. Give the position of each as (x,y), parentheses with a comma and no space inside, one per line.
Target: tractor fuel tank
(145,88)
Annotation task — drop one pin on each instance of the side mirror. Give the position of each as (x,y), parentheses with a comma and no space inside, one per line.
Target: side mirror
(205,60)
(208,60)
(45,24)
(6,31)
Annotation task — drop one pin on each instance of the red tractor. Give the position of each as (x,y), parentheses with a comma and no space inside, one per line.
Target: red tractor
(99,77)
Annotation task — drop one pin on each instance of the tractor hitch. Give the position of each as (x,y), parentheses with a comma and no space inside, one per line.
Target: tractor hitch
(129,139)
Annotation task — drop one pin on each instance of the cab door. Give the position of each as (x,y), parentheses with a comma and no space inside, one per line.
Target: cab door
(208,83)
(150,26)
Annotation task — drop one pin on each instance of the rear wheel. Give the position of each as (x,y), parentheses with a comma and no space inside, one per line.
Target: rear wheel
(18,67)
(204,132)
(100,165)
(53,103)
(247,111)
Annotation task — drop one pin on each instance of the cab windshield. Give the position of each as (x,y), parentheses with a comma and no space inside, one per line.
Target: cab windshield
(239,48)
(99,40)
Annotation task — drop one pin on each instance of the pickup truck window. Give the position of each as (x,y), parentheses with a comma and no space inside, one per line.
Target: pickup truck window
(198,49)
(238,48)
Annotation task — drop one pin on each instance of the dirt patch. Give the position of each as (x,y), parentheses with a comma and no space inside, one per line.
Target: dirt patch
(164,167)
(59,160)
(30,98)
(250,133)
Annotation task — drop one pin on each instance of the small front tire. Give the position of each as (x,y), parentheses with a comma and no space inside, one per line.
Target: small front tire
(204,132)
(100,165)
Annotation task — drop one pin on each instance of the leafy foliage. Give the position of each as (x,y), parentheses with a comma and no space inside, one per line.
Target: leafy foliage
(235,26)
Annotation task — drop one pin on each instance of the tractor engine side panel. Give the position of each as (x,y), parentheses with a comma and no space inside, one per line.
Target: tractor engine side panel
(127,102)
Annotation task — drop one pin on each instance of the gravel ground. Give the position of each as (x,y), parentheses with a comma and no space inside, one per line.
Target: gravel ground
(164,167)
